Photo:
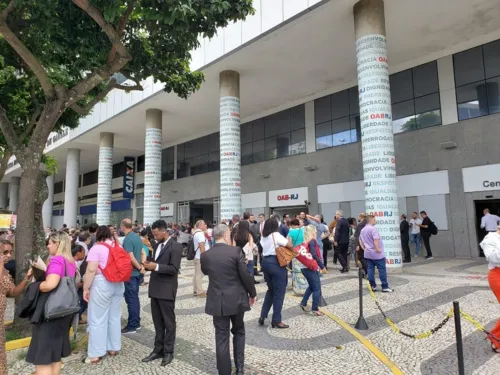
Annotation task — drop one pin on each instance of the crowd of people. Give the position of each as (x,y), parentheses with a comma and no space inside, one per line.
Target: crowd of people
(230,254)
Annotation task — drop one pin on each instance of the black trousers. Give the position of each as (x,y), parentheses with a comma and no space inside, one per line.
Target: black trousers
(406,248)
(426,237)
(362,260)
(342,254)
(163,314)
(221,324)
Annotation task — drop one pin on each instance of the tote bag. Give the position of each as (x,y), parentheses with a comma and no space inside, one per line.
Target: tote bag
(63,300)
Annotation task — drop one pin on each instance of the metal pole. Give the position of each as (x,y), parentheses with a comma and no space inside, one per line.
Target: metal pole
(361,323)
(458,334)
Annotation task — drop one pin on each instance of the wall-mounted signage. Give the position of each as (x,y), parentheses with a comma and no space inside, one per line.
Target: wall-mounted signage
(167,209)
(128,177)
(483,178)
(288,197)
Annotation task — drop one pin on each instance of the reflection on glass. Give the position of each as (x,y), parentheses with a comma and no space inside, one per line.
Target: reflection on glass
(324,142)
(470,110)
(342,138)
(404,124)
(271,154)
(427,119)
(297,148)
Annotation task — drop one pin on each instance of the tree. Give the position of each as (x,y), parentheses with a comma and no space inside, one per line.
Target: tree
(58,59)
(423,120)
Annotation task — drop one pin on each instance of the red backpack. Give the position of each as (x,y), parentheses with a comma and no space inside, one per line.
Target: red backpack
(119,266)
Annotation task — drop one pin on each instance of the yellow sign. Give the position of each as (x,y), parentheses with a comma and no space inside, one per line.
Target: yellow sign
(5,221)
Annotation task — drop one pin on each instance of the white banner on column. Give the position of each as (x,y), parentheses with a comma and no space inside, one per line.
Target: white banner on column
(152,176)
(230,157)
(104,187)
(377,141)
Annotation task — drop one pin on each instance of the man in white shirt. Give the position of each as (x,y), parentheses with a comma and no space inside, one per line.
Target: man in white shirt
(489,222)
(201,244)
(415,222)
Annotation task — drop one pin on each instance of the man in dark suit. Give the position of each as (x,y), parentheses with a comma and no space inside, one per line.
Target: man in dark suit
(231,292)
(342,239)
(164,267)
(404,229)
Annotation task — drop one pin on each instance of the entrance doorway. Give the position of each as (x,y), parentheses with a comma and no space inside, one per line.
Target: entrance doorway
(292,211)
(494,206)
(202,209)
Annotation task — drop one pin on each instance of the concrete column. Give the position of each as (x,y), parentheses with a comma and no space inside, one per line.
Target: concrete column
(14,193)
(48,205)
(447,93)
(4,194)
(71,187)
(377,140)
(230,145)
(104,179)
(310,127)
(152,170)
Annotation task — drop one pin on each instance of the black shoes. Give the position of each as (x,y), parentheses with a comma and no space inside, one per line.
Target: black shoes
(256,282)
(279,325)
(261,321)
(407,261)
(152,357)
(167,359)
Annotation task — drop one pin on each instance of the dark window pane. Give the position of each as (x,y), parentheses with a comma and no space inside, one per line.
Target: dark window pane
(468,66)
(401,86)
(297,117)
(402,110)
(258,146)
(283,145)
(272,124)
(271,143)
(298,142)
(341,131)
(298,136)
(246,149)
(90,178)
(167,172)
(190,150)
(118,169)
(246,133)
(355,128)
(353,100)
(199,165)
(322,111)
(324,142)
(431,118)
(472,100)
(324,129)
(425,79)
(58,187)
(180,152)
(182,169)
(201,146)
(259,156)
(214,142)
(246,159)
(427,103)
(258,130)
(141,165)
(282,120)
(214,161)
(340,104)
(492,89)
(491,53)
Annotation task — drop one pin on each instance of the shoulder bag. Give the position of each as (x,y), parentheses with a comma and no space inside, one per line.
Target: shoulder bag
(284,254)
(63,300)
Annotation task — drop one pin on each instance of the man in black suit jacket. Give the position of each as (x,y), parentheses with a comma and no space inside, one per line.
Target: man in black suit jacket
(342,239)
(231,292)
(164,265)
(404,229)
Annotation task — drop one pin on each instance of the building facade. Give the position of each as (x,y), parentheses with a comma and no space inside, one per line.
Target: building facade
(301,125)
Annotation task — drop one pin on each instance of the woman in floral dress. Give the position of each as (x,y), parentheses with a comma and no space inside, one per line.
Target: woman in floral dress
(7,289)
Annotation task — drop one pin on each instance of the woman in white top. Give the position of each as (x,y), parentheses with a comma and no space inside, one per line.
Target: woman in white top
(491,248)
(276,276)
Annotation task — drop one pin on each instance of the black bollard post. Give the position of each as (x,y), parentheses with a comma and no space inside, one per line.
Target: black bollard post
(458,334)
(361,323)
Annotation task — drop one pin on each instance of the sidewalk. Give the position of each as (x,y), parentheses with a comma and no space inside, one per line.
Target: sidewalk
(423,295)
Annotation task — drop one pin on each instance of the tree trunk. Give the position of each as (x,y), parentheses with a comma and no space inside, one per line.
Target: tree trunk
(42,193)
(3,164)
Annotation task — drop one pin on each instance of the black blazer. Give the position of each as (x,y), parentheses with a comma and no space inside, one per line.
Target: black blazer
(342,231)
(230,283)
(404,228)
(163,283)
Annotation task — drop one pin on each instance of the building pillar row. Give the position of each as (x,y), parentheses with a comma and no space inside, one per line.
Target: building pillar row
(378,144)
(72,185)
(152,166)
(14,193)
(47,208)
(230,145)
(105,179)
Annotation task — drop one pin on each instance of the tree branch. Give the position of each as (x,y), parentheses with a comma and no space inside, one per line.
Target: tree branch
(13,141)
(35,116)
(25,53)
(121,28)
(107,28)
(9,9)
(4,163)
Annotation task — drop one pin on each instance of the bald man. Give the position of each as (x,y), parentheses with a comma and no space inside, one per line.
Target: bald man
(132,243)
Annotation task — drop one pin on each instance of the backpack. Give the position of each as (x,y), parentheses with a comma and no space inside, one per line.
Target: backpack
(433,229)
(191,251)
(119,267)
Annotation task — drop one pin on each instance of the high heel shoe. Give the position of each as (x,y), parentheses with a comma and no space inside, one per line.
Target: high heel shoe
(495,349)
(279,325)
(261,321)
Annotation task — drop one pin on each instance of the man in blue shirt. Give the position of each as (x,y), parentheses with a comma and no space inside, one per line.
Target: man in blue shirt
(132,243)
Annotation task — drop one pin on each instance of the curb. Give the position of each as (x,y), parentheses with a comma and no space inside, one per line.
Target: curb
(22,343)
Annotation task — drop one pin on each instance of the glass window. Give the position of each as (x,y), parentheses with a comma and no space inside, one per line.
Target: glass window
(141,163)
(58,187)
(283,144)
(200,155)
(180,152)
(322,110)
(118,169)
(258,130)
(246,132)
(425,79)
(491,54)
(90,178)
(297,118)
(401,86)
(493,94)
(340,104)
(468,66)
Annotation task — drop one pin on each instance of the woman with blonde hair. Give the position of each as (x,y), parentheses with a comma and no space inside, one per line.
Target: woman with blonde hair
(50,339)
(312,275)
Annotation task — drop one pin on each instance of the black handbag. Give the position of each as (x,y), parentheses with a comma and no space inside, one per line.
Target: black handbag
(63,300)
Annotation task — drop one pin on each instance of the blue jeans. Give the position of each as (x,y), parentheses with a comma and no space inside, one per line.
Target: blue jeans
(314,288)
(250,267)
(276,279)
(415,238)
(83,303)
(382,272)
(132,299)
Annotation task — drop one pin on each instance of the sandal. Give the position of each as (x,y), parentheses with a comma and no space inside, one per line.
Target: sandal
(93,361)
(304,308)
(112,354)
(317,313)
(495,349)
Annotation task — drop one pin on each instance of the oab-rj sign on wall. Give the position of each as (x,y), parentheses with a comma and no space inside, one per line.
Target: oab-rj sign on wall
(288,197)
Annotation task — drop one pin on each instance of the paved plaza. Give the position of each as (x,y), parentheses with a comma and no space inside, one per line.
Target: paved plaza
(423,296)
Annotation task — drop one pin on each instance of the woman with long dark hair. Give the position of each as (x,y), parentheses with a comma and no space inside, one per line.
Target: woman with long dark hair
(276,276)
(244,240)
